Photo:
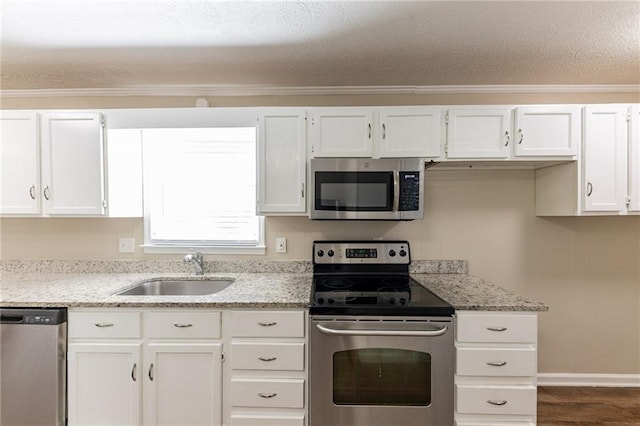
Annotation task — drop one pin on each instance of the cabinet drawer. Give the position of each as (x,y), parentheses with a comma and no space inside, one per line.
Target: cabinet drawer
(267,356)
(275,393)
(178,325)
(268,324)
(496,399)
(107,325)
(497,328)
(266,420)
(496,362)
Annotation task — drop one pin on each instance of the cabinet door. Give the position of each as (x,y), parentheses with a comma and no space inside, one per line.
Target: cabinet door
(183,384)
(479,133)
(409,132)
(547,131)
(72,164)
(281,161)
(634,159)
(342,132)
(104,384)
(604,158)
(19,163)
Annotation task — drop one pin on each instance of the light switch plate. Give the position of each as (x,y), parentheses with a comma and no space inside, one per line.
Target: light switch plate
(127,245)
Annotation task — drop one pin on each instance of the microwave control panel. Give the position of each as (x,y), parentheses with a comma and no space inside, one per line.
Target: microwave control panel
(409,191)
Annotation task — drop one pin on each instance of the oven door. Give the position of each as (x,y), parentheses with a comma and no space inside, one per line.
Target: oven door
(380,372)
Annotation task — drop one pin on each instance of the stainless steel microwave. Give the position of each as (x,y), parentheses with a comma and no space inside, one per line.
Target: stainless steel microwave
(367,189)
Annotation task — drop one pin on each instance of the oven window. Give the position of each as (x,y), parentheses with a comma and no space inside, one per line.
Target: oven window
(354,191)
(380,376)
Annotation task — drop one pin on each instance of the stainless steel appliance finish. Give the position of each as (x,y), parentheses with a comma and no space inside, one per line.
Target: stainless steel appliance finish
(33,367)
(367,371)
(367,189)
(381,345)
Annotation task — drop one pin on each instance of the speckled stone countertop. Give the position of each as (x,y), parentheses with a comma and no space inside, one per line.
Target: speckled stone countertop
(281,285)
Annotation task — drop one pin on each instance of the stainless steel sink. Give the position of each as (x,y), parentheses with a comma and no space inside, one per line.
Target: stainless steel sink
(178,287)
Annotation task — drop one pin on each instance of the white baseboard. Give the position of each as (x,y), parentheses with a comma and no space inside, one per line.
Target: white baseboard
(604,380)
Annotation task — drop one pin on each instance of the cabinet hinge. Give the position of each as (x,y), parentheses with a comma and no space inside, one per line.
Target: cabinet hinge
(102,124)
(446,148)
(446,118)
(627,201)
(313,121)
(104,204)
(628,116)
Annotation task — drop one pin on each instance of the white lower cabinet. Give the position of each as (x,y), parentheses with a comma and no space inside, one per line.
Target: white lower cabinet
(496,368)
(132,367)
(267,384)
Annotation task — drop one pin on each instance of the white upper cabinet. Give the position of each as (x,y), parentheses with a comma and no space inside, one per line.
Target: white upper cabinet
(19,163)
(605,158)
(409,132)
(282,161)
(72,164)
(479,133)
(341,132)
(634,159)
(546,131)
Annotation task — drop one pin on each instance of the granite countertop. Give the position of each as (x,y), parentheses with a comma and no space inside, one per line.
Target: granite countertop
(29,286)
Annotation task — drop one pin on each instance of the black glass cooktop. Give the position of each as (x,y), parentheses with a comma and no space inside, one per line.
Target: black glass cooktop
(374,294)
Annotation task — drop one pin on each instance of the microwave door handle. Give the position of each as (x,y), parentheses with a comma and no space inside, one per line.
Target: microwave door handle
(396,191)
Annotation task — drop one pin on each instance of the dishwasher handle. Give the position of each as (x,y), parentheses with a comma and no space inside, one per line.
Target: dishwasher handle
(11,319)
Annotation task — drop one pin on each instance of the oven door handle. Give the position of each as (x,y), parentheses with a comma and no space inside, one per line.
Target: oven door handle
(355,332)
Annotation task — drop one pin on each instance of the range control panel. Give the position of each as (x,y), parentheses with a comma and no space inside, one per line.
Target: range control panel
(361,252)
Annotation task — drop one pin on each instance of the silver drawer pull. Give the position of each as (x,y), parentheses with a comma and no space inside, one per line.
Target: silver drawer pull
(494,402)
(267,395)
(182,325)
(497,328)
(133,372)
(267,324)
(151,372)
(497,363)
(104,324)
(267,359)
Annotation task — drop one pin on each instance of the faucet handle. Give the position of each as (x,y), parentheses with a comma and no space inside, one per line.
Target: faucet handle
(197,252)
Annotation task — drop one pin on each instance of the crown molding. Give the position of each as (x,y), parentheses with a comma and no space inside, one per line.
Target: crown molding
(204,90)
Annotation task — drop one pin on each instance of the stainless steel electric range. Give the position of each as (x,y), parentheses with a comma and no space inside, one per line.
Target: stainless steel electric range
(381,345)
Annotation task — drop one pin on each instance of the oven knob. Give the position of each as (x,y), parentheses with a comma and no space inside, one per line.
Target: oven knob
(330,253)
(392,253)
(403,301)
(320,253)
(403,253)
(320,301)
(330,301)
(392,301)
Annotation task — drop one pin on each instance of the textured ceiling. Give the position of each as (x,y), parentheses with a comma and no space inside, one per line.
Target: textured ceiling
(51,44)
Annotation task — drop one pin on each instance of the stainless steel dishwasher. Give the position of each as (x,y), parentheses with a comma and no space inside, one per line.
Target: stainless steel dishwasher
(33,366)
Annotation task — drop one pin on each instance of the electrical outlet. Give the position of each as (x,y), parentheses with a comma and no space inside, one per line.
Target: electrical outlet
(127,245)
(281,245)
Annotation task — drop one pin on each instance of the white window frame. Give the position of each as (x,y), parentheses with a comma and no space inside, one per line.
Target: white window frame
(208,118)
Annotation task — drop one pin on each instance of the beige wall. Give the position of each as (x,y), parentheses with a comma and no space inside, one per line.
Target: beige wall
(586,269)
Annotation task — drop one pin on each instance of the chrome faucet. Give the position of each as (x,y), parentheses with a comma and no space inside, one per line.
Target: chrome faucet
(196,258)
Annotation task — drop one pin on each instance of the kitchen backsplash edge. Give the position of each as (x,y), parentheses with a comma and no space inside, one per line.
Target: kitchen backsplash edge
(210,267)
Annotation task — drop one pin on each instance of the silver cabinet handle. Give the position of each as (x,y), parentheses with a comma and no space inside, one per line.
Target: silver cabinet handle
(521,136)
(32,192)
(497,328)
(46,192)
(267,395)
(267,324)
(178,325)
(133,372)
(104,324)
(384,131)
(350,332)
(151,372)
(507,138)
(497,363)
(267,359)
(589,189)
(369,130)
(494,402)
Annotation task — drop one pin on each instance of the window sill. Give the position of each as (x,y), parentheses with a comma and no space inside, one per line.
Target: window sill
(177,249)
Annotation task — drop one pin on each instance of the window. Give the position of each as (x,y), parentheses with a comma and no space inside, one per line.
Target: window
(199,190)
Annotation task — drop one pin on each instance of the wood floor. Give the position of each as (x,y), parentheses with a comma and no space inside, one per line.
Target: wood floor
(588,406)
